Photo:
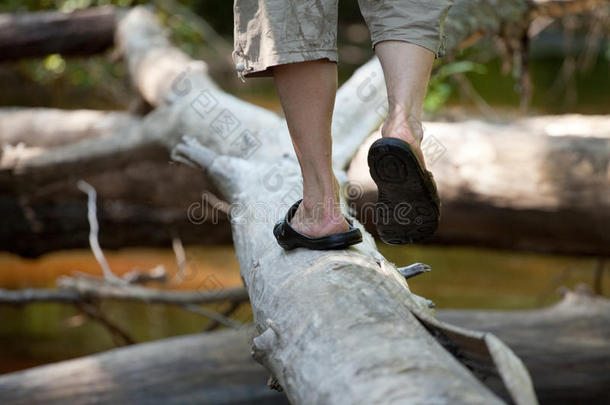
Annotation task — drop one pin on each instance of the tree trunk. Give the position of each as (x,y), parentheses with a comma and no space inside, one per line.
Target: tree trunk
(213,368)
(36,225)
(50,127)
(542,206)
(27,171)
(143,200)
(552,195)
(36,34)
(335,327)
(566,346)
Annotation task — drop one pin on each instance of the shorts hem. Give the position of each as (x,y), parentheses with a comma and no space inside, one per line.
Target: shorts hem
(263,69)
(432,46)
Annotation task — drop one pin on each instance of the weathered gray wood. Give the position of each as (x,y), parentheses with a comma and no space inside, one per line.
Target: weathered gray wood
(145,200)
(567,213)
(566,347)
(213,368)
(56,219)
(324,342)
(360,110)
(361,106)
(23,166)
(73,290)
(538,183)
(37,34)
(50,127)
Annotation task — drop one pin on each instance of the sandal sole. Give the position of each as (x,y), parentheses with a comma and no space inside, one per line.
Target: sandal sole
(406,211)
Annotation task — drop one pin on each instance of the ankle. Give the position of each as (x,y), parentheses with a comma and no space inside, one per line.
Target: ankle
(324,209)
(405,127)
(320,193)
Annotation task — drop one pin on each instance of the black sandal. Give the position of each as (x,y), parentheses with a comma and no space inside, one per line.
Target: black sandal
(288,238)
(408,206)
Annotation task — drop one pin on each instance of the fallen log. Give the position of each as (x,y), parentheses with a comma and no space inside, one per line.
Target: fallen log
(50,127)
(552,195)
(144,203)
(566,346)
(369,365)
(322,343)
(37,34)
(34,225)
(29,171)
(144,199)
(212,368)
(73,290)
(554,209)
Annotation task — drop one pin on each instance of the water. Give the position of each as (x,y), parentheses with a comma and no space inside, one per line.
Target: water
(461,278)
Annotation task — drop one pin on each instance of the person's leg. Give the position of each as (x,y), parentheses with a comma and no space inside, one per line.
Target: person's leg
(406,68)
(307,94)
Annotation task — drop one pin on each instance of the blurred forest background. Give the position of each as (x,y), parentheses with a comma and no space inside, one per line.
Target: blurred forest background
(569,64)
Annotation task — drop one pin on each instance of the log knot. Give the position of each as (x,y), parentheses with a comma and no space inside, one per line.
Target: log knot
(263,344)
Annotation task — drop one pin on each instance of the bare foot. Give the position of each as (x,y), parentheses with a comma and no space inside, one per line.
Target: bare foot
(409,130)
(316,221)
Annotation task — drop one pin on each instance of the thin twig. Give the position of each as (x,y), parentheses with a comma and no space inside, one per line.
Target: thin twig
(119,336)
(208,313)
(72,290)
(157,273)
(525,74)
(468,89)
(593,43)
(180,260)
(213,324)
(600,264)
(93,232)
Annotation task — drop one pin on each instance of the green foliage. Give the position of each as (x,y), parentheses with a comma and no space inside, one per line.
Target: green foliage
(58,75)
(184,33)
(440,88)
(86,73)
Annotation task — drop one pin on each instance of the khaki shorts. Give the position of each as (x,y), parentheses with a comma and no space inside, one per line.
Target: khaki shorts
(275,32)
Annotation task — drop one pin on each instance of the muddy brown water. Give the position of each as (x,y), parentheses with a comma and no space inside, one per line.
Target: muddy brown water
(461,278)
